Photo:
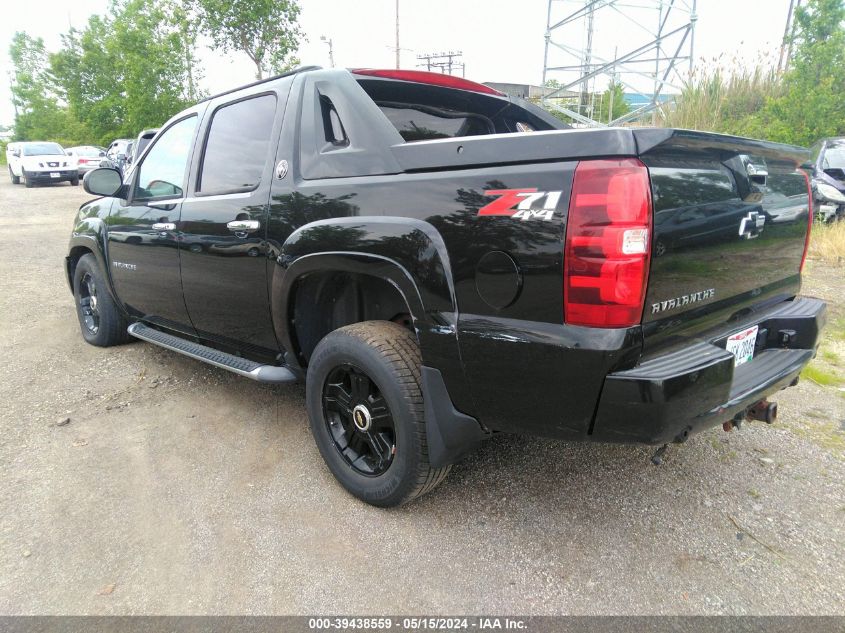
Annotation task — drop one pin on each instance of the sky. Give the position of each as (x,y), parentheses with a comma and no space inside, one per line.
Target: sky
(501,40)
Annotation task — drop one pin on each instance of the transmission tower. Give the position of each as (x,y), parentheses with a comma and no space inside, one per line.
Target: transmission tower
(659,52)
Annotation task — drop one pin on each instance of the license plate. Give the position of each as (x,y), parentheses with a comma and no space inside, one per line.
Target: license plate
(54,174)
(741,345)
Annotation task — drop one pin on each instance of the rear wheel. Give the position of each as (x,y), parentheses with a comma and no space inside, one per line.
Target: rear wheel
(366,411)
(100,319)
(74,181)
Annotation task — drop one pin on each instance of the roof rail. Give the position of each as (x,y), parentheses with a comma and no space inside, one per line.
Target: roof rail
(295,71)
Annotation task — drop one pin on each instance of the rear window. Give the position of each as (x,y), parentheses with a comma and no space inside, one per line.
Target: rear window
(418,123)
(237,146)
(422,112)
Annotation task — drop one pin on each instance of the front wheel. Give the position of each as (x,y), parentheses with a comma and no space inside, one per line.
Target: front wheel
(16,180)
(26,180)
(100,319)
(365,406)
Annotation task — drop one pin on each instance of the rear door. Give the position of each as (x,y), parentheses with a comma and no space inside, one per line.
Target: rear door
(224,223)
(142,238)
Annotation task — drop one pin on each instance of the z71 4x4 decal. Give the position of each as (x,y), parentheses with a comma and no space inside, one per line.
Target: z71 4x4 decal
(518,203)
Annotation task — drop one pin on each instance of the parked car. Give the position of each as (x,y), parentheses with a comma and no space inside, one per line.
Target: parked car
(436,276)
(40,162)
(118,152)
(88,157)
(828,167)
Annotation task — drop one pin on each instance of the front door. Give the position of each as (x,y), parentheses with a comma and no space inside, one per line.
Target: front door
(142,233)
(223,226)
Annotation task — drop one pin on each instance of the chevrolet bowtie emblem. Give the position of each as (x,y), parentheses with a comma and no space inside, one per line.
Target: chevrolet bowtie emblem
(751,225)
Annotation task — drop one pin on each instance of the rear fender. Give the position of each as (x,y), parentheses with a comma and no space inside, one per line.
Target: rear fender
(411,256)
(408,254)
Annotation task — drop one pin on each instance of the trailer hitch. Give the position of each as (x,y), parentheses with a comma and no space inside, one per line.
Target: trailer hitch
(764,411)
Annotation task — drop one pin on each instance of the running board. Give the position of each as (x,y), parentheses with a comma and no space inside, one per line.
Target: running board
(236,364)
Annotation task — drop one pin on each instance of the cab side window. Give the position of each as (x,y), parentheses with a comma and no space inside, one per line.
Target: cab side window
(237,146)
(162,174)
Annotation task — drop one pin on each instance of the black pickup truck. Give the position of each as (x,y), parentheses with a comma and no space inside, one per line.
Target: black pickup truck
(441,262)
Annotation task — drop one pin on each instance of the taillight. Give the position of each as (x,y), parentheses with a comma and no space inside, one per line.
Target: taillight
(809,221)
(606,254)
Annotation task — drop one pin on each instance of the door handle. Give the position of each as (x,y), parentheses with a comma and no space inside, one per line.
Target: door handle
(164,226)
(167,205)
(244,226)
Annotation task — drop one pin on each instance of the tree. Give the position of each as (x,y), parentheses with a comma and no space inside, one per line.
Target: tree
(612,104)
(811,105)
(129,70)
(38,113)
(266,30)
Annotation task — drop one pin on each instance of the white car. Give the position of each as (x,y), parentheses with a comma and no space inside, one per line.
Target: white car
(88,157)
(38,162)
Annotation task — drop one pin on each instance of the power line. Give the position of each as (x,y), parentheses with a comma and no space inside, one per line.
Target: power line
(448,63)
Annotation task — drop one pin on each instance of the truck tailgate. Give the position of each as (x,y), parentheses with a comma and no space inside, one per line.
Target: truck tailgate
(730,226)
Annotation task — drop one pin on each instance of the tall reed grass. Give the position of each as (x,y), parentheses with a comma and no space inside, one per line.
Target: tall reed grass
(723,96)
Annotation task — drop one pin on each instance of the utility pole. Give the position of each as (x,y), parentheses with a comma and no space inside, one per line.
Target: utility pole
(328,41)
(12,92)
(693,18)
(791,38)
(788,34)
(657,62)
(613,80)
(588,55)
(397,34)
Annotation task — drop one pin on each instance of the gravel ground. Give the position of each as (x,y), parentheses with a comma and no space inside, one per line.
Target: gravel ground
(177,488)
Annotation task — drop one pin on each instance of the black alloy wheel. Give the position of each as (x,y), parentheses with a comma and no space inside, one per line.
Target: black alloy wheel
(359,420)
(100,319)
(88,303)
(367,414)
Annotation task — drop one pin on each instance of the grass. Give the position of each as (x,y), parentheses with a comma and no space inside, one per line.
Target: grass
(836,330)
(830,356)
(721,96)
(827,243)
(825,434)
(821,376)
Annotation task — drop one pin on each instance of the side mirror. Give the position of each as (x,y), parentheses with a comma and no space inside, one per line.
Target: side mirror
(102,154)
(16,153)
(121,157)
(102,181)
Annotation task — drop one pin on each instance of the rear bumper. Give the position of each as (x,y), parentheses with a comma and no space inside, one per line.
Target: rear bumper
(668,398)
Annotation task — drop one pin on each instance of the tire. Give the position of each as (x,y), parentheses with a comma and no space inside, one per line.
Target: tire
(381,422)
(16,180)
(26,180)
(74,181)
(100,320)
